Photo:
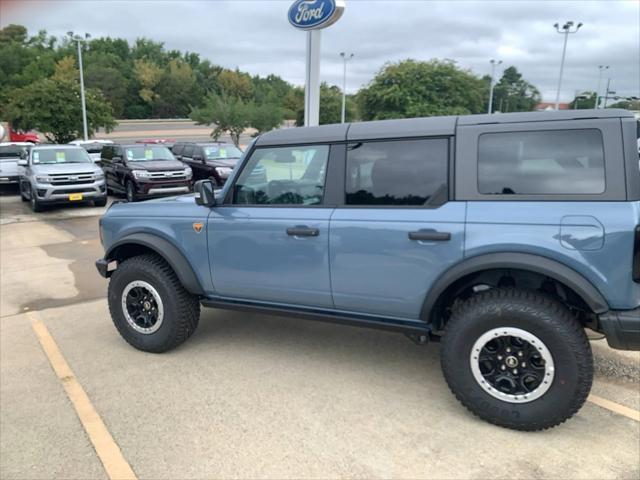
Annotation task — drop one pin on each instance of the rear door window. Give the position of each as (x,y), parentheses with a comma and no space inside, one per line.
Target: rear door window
(399,172)
(188,151)
(549,162)
(177,149)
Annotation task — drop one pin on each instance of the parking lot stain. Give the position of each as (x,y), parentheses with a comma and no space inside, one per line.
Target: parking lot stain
(82,253)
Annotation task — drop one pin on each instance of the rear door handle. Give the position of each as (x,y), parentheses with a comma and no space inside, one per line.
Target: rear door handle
(302,231)
(430,236)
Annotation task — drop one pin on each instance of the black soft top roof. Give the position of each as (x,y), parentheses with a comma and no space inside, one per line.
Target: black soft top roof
(418,127)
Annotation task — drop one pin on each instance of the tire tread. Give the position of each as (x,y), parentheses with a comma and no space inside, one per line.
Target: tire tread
(567,327)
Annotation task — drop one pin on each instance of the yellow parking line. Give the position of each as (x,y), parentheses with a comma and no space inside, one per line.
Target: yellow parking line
(615,407)
(107,449)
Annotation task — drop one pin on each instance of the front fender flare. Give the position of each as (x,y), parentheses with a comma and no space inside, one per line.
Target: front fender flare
(169,252)
(522,261)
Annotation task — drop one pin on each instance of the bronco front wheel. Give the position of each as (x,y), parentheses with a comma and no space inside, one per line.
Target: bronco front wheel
(517,359)
(149,306)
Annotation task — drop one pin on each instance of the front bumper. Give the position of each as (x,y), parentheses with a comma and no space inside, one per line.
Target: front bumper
(622,328)
(8,179)
(103,267)
(48,193)
(156,188)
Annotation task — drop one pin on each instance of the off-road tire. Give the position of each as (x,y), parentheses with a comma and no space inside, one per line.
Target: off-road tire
(181,309)
(540,315)
(100,202)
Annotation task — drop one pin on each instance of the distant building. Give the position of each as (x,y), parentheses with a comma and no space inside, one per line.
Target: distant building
(543,106)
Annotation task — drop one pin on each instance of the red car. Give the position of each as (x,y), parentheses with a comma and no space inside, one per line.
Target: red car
(31,137)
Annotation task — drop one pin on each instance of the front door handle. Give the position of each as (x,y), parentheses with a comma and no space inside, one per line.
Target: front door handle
(302,231)
(430,236)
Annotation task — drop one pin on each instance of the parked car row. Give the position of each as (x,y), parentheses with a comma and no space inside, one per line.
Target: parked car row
(89,170)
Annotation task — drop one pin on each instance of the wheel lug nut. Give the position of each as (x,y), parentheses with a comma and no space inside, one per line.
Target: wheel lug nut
(519,354)
(508,349)
(524,364)
(503,367)
(515,371)
(499,357)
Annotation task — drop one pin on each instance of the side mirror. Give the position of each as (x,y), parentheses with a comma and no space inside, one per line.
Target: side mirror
(204,193)
(198,158)
(22,162)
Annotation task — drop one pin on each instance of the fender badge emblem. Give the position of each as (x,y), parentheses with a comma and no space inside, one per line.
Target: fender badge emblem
(197,227)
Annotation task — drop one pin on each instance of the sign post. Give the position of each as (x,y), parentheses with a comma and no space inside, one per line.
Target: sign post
(312,16)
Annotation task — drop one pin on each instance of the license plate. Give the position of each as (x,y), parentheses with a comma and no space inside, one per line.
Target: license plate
(75,196)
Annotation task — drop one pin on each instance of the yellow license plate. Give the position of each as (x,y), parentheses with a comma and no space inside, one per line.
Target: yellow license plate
(75,196)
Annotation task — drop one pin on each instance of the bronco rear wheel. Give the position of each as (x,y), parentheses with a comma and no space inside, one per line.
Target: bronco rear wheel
(517,359)
(149,306)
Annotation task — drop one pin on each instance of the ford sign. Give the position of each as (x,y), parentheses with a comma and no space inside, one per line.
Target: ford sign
(315,14)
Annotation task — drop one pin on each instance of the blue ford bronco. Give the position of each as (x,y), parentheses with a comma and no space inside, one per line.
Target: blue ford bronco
(503,237)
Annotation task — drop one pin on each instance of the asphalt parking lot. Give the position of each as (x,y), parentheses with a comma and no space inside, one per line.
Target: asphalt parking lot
(252,396)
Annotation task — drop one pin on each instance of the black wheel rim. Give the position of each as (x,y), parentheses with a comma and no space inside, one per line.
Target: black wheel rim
(142,307)
(512,365)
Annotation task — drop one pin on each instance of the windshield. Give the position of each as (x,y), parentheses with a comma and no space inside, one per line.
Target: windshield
(60,155)
(10,152)
(216,152)
(147,153)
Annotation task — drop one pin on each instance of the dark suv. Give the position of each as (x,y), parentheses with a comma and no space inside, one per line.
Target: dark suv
(141,171)
(502,236)
(214,161)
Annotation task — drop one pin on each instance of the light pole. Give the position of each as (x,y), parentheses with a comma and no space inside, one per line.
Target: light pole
(78,39)
(565,30)
(600,69)
(345,59)
(493,71)
(607,92)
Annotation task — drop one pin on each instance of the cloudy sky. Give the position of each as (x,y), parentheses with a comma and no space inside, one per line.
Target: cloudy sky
(255,36)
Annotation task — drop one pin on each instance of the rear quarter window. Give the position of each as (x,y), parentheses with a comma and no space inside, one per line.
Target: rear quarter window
(554,162)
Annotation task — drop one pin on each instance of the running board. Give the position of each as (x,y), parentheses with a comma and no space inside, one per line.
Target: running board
(417,329)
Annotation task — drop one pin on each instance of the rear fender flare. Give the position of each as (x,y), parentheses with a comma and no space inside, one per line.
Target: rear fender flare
(521,261)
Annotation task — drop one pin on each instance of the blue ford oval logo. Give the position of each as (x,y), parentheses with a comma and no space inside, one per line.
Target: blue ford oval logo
(315,14)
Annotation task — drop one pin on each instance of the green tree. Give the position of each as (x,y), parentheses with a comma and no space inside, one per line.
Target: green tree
(330,106)
(417,89)
(293,103)
(583,101)
(149,75)
(626,104)
(52,106)
(112,83)
(235,84)
(226,113)
(176,91)
(514,94)
(265,117)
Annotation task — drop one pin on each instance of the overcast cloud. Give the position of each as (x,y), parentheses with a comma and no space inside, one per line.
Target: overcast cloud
(255,36)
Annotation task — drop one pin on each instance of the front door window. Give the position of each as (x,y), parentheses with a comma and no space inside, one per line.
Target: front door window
(283,176)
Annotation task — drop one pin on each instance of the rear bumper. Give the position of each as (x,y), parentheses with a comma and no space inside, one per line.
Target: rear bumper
(622,328)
